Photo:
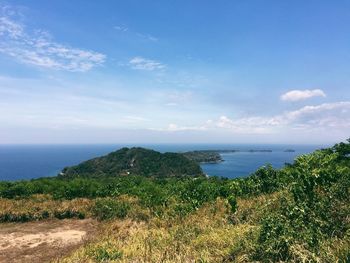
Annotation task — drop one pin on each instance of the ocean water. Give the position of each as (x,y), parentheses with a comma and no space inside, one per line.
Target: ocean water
(18,162)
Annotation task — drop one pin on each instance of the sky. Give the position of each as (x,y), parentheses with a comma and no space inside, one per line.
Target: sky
(162,71)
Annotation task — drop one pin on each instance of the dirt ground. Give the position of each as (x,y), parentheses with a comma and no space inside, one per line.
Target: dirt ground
(43,241)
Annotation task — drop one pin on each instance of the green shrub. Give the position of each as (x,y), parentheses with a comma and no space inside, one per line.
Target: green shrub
(315,209)
(105,253)
(69,214)
(182,209)
(233,203)
(108,208)
(19,217)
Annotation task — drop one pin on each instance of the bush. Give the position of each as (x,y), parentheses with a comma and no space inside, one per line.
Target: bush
(105,252)
(233,203)
(69,214)
(108,208)
(315,209)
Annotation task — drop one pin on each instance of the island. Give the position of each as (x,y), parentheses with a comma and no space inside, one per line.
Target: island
(214,156)
(135,161)
(260,151)
(134,204)
(204,156)
(289,151)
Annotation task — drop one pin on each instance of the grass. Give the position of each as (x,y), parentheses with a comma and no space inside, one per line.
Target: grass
(40,207)
(132,233)
(205,235)
(297,214)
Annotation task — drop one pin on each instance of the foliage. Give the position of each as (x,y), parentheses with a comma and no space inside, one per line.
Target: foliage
(41,207)
(105,252)
(315,209)
(202,236)
(233,203)
(135,161)
(299,213)
(109,208)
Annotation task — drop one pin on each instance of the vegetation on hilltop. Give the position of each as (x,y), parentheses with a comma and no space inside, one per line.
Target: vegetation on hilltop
(135,161)
(296,214)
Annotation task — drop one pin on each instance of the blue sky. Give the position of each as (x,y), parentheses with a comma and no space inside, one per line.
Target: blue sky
(174,71)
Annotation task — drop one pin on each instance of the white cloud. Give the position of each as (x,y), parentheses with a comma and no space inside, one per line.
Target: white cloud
(174,128)
(121,28)
(9,27)
(325,115)
(37,48)
(335,116)
(141,63)
(147,37)
(244,125)
(296,95)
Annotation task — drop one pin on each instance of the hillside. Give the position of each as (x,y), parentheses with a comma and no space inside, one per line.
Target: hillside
(299,213)
(135,161)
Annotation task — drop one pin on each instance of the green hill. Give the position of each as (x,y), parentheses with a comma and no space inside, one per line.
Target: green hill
(299,213)
(135,161)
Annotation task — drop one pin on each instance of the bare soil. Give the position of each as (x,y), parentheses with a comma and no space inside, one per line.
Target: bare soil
(43,241)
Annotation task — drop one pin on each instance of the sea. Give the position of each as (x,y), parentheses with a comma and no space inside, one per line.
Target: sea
(23,162)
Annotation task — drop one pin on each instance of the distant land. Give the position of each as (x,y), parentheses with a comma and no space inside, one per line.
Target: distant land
(214,156)
(289,150)
(136,161)
(146,162)
(142,161)
(135,202)
(18,162)
(205,156)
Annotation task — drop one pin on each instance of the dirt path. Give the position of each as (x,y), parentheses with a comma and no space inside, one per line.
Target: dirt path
(43,241)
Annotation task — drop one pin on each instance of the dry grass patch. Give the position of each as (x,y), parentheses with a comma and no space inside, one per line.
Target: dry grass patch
(42,207)
(203,236)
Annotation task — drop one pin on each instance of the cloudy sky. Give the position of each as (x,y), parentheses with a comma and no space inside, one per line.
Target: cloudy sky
(174,71)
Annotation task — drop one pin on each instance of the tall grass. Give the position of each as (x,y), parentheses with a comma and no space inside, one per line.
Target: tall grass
(205,235)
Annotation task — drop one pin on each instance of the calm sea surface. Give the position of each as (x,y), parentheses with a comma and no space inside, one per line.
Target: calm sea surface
(19,162)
